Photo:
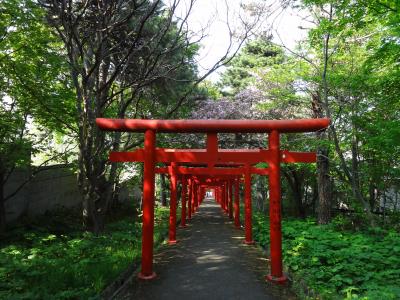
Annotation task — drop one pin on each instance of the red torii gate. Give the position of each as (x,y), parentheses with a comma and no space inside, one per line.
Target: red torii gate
(212,156)
(223,174)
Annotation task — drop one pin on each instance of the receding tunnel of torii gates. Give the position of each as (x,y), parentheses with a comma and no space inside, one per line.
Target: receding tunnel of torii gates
(219,171)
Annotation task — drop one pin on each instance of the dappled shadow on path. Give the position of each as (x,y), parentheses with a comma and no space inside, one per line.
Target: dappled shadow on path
(209,262)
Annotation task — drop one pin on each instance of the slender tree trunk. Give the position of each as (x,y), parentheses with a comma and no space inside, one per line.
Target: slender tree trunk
(264,193)
(298,193)
(321,109)
(355,183)
(295,184)
(115,190)
(305,197)
(323,178)
(324,190)
(354,155)
(372,194)
(324,165)
(314,198)
(163,190)
(259,196)
(2,205)
(384,206)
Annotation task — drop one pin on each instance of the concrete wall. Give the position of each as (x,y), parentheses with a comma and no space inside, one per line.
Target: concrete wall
(127,194)
(52,188)
(391,199)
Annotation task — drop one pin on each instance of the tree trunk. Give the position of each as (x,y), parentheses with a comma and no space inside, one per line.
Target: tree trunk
(314,198)
(94,187)
(2,205)
(320,105)
(354,160)
(323,178)
(373,194)
(163,190)
(114,191)
(324,191)
(113,184)
(384,205)
(298,193)
(259,196)
(320,110)
(295,184)
(264,193)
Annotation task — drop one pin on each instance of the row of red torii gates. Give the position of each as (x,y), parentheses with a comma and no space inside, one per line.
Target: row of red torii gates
(212,168)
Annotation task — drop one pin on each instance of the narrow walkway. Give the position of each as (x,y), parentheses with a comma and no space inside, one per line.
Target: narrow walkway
(209,262)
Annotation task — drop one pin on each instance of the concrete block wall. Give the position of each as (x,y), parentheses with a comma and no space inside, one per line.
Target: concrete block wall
(51,188)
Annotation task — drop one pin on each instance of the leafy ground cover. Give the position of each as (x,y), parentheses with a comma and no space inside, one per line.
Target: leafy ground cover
(43,264)
(335,263)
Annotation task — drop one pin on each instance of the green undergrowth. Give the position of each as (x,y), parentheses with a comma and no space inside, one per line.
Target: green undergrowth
(338,264)
(41,264)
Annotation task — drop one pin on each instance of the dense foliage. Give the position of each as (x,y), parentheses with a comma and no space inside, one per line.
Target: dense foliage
(337,263)
(43,264)
(346,69)
(34,89)
(64,63)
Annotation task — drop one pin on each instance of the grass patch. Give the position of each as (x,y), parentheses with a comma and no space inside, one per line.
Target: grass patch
(338,264)
(41,264)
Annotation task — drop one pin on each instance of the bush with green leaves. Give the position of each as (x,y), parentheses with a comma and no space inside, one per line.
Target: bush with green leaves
(77,265)
(339,264)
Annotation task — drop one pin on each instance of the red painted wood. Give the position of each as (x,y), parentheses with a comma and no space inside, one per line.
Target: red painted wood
(247,207)
(237,205)
(298,157)
(230,183)
(183,200)
(256,126)
(202,156)
(148,206)
(190,185)
(213,167)
(172,204)
(275,209)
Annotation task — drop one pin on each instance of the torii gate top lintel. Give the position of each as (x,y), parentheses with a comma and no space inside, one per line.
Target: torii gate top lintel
(214,126)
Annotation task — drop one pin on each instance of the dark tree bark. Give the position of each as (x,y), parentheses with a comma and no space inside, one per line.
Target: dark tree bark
(324,190)
(2,205)
(295,180)
(322,108)
(314,198)
(323,178)
(373,194)
(111,49)
(116,51)
(163,190)
(259,198)
(264,192)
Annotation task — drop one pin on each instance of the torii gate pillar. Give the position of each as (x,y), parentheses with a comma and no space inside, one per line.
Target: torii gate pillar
(189,209)
(172,204)
(247,207)
(230,207)
(275,209)
(237,204)
(183,201)
(148,206)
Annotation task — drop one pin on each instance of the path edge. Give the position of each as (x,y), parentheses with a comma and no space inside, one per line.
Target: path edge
(126,276)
